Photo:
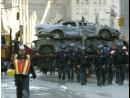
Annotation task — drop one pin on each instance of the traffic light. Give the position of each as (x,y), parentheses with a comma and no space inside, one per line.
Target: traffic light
(121,22)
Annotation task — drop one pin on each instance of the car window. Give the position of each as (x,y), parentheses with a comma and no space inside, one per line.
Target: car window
(91,24)
(70,24)
(84,24)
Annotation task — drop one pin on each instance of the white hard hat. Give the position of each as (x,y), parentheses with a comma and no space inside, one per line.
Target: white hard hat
(21,47)
(124,47)
(112,52)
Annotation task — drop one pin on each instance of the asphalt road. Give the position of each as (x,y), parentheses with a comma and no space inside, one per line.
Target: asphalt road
(49,87)
(39,88)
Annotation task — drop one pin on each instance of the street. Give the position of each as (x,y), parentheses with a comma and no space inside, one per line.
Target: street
(48,87)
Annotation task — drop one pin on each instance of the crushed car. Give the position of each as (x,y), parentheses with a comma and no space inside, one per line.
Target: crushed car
(76,28)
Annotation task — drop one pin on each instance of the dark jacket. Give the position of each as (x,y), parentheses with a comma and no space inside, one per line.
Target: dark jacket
(119,57)
(62,57)
(99,60)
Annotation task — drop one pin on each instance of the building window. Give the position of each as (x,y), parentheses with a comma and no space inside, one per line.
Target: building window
(87,2)
(77,1)
(100,1)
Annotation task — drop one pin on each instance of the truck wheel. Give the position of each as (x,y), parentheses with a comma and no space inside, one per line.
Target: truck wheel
(105,34)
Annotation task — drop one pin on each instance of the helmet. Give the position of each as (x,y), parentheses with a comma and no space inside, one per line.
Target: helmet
(124,47)
(112,52)
(10,72)
(21,47)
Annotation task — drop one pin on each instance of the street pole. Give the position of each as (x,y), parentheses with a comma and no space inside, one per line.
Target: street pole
(82,32)
(97,18)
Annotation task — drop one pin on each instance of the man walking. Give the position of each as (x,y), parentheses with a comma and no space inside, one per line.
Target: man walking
(22,66)
(119,60)
(99,63)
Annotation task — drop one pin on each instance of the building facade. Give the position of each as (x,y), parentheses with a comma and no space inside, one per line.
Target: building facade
(35,12)
(97,11)
(50,10)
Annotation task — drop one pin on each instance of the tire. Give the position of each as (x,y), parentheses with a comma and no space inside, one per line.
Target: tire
(57,34)
(105,34)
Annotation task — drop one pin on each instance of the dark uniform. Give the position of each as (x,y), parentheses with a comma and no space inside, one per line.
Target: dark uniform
(84,65)
(99,63)
(51,65)
(119,60)
(72,64)
(62,61)
(109,68)
(79,58)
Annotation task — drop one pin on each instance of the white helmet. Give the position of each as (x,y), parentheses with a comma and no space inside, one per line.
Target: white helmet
(21,47)
(124,47)
(112,52)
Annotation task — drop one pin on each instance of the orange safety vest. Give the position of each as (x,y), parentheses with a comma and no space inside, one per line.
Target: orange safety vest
(22,67)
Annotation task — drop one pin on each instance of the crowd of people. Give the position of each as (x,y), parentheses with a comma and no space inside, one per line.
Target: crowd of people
(106,62)
(71,62)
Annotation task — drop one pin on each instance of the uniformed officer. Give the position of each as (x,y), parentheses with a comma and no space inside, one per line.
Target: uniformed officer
(119,60)
(125,49)
(83,68)
(109,67)
(99,62)
(72,64)
(62,60)
(79,58)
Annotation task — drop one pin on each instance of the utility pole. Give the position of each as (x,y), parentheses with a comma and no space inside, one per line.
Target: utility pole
(82,32)
(97,18)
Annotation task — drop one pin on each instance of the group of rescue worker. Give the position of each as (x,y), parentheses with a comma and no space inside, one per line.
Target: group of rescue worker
(107,63)
(71,62)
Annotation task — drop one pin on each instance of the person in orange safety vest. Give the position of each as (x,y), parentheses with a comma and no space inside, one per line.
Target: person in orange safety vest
(22,65)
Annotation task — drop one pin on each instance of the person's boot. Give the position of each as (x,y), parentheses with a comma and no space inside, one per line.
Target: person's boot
(98,83)
(83,83)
